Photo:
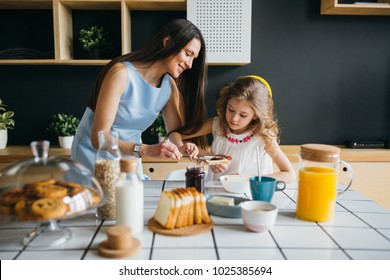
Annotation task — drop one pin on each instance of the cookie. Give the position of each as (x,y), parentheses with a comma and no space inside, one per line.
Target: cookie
(49,208)
(95,198)
(47,199)
(11,197)
(50,191)
(72,188)
(6,211)
(38,183)
(23,210)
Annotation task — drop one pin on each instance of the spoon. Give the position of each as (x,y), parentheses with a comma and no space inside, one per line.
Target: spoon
(258,163)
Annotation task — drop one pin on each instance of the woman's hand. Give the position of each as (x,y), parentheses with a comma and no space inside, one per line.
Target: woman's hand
(190,149)
(164,150)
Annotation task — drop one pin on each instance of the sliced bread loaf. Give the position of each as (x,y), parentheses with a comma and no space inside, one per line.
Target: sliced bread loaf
(181,207)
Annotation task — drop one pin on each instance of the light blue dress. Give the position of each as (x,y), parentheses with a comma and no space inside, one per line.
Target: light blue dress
(138,108)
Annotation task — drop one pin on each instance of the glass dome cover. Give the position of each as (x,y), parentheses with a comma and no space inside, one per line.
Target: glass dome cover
(46,188)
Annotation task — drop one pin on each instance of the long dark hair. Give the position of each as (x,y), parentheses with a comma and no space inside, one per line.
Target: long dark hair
(191,83)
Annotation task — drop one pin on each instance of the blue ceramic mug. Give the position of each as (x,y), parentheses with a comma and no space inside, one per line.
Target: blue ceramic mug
(264,190)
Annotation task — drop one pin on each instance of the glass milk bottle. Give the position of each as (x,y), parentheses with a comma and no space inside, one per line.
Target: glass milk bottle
(130,196)
(318,181)
(107,172)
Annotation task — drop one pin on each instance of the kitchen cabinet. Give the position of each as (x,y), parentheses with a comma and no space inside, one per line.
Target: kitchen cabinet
(339,7)
(59,17)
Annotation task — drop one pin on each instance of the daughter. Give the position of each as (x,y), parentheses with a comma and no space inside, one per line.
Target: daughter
(245,121)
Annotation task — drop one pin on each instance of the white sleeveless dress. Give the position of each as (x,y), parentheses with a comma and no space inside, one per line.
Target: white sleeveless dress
(242,148)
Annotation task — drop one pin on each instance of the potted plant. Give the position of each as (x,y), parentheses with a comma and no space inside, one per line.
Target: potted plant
(94,40)
(64,126)
(158,128)
(6,122)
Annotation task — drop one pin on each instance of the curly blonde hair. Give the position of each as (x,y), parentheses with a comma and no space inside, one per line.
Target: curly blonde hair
(256,94)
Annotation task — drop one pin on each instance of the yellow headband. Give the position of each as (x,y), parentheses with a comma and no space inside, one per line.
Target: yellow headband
(264,82)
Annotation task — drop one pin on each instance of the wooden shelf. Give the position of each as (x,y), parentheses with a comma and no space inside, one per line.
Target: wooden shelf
(63,21)
(26,4)
(63,24)
(332,7)
(159,5)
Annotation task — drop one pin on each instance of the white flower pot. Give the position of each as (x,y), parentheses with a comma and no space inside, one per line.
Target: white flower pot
(3,138)
(65,141)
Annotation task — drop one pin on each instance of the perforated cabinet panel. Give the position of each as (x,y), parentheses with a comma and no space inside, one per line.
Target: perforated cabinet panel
(226,28)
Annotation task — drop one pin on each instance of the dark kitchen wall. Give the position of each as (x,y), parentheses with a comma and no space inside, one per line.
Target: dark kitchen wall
(330,75)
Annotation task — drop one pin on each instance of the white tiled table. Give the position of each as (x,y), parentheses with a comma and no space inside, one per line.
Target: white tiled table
(359,230)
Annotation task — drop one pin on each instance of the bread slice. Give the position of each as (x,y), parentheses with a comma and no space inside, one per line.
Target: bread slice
(183,212)
(205,214)
(178,204)
(166,212)
(197,205)
(218,160)
(191,208)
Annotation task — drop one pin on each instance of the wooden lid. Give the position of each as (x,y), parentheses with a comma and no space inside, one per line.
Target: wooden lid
(107,252)
(119,244)
(320,153)
(129,165)
(119,237)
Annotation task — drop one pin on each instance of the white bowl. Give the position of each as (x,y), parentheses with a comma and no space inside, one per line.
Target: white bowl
(258,216)
(236,183)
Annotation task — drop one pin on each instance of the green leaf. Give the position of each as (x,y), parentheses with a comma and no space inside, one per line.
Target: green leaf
(6,120)
(158,127)
(63,125)
(94,37)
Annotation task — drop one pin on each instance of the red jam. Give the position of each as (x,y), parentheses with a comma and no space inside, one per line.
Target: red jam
(195,178)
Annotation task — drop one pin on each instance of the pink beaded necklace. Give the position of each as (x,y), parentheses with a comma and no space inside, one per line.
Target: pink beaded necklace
(236,140)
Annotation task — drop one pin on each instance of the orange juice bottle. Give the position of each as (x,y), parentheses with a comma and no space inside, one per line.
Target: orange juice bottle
(317,182)
(317,193)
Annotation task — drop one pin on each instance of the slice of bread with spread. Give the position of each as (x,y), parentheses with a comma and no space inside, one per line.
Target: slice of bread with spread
(181,207)
(219,159)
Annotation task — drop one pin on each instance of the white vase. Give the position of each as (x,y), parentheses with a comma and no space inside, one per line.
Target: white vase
(161,139)
(3,138)
(65,141)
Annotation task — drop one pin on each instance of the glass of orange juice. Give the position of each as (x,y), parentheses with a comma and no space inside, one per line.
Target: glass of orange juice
(318,182)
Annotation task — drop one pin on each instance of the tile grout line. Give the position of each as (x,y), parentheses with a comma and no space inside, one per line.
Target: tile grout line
(341,248)
(215,244)
(361,219)
(92,239)
(328,234)
(277,244)
(154,234)
(152,247)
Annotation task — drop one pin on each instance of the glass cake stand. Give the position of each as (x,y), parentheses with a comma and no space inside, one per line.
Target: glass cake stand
(44,190)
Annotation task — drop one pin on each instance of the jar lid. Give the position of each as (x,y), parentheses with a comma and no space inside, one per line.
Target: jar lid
(128,164)
(194,169)
(320,152)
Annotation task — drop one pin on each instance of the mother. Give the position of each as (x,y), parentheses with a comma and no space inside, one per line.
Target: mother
(168,74)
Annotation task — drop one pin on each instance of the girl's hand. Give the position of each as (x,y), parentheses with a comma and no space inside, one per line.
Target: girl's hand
(190,149)
(218,168)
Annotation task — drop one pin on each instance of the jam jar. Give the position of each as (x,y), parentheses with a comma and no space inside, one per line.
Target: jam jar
(195,177)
